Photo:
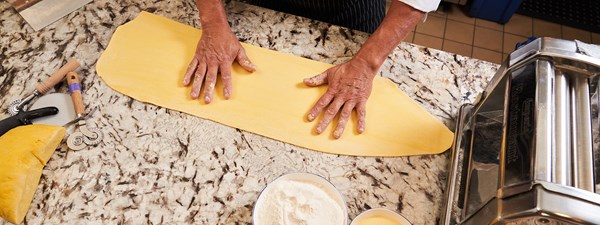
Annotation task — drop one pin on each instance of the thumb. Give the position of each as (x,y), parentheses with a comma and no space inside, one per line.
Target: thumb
(243,60)
(316,80)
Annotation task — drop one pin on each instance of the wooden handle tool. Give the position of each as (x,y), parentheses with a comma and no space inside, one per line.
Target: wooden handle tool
(57,76)
(75,89)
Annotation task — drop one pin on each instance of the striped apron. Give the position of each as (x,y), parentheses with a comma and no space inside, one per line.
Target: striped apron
(363,15)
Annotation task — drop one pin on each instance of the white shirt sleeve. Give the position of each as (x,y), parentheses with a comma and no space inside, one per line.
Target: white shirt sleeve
(423,5)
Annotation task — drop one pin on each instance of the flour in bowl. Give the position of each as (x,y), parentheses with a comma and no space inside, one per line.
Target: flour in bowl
(292,202)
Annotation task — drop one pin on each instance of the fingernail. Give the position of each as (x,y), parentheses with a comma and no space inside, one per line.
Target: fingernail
(319,130)
(226,94)
(311,117)
(206,99)
(361,129)
(337,133)
(248,63)
(194,96)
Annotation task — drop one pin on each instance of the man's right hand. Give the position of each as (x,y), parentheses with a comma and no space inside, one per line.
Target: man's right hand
(215,53)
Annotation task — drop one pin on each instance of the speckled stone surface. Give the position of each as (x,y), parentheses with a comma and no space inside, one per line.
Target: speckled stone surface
(158,166)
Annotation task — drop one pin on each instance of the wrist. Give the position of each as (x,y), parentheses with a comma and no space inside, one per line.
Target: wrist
(370,60)
(368,64)
(212,15)
(218,30)
(214,25)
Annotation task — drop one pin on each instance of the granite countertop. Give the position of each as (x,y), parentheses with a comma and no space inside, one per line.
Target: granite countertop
(158,166)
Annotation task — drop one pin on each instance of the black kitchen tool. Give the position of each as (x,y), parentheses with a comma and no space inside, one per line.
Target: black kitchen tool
(24,118)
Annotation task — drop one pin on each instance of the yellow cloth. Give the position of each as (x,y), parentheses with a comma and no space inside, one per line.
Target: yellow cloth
(147,59)
(24,152)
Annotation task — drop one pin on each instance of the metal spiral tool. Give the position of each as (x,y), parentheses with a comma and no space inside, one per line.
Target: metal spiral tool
(85,136)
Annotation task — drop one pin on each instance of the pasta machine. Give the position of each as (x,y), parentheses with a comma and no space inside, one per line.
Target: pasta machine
(524,151)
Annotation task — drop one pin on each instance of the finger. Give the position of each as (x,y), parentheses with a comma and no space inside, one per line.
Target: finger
(225,70)
(190,70)
(361,110)
(209,84)
(198,79)
(316,80)
(330,113)
(344,117)
(244,61)
(319,106)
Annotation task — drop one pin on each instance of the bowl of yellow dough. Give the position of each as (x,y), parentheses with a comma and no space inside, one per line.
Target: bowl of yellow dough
(380,217)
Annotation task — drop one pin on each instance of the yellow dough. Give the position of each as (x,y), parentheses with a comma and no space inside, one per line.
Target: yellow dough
(378,220)
(147,59)
(24,152)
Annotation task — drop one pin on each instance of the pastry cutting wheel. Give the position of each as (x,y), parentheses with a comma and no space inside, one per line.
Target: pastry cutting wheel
(84,136)
(75,141)
(18,105)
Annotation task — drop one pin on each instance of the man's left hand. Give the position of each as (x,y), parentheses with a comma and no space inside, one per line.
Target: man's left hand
(349,88)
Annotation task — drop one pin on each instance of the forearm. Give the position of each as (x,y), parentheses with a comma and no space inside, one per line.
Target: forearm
(212,14)
(398,22)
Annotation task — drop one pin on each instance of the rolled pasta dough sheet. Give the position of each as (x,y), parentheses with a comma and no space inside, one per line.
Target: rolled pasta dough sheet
(147,59)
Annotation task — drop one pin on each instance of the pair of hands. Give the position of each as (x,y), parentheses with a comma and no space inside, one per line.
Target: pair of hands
(349,83)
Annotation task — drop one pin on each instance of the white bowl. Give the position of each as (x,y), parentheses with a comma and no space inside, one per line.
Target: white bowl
(393,217)
(261,206)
